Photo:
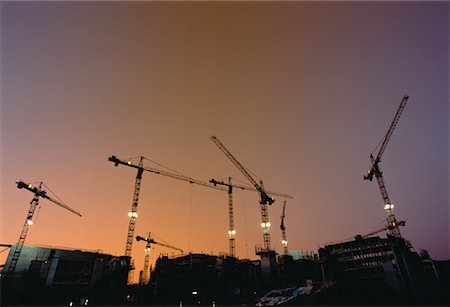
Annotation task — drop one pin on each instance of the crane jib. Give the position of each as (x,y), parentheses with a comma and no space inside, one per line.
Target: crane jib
(375,171)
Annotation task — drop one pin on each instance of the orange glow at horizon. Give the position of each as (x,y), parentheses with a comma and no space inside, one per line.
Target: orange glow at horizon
(299,92)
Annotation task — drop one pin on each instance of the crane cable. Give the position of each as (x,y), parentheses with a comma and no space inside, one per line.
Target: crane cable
(160,165)
(37,214)
(190,219)
(245,227)
(160,239)
(53,193)
(376,227)
(168,168)
(378,145)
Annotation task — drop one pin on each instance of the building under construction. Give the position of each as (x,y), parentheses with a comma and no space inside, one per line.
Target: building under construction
(380,271)
(363,271)
(55,276)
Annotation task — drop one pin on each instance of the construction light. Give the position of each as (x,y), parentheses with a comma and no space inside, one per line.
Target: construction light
(129,162)
(29,222)
(133,214)
(388,207)
(147,249)
(265,225)
(30,185)
(284,242)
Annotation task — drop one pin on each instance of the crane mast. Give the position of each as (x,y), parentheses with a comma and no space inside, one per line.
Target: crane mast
(133,213)
(38,192)
(231,230)
(145,271)
(150,241)
(134,205)
(265,198)
(284,241)
(376,171)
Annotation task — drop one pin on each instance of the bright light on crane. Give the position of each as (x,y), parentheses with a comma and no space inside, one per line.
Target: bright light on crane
(38,192)
(284,241)
(132,214)
(388,207)
(265,225)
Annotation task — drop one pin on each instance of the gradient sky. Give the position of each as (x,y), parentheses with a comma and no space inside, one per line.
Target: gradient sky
(301,93)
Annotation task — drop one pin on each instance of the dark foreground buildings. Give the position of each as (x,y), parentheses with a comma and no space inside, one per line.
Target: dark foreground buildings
(199,279)
(383,271)
(362,272)
(52,276)
(370,271)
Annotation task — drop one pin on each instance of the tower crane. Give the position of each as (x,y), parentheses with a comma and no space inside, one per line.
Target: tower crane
(376,171)
(231,230)
(150,241)
(38,192)
(265,198)
(283,230)
(140,169)
(134,206)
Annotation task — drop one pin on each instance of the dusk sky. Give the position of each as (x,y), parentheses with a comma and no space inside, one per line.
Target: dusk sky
(300,93)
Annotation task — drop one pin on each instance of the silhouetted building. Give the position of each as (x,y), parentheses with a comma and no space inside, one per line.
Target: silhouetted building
(54,276)
(199,279)
(268,267)
(297,271)
(378,271)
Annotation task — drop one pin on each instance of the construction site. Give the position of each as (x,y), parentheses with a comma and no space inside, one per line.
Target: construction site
(376,268)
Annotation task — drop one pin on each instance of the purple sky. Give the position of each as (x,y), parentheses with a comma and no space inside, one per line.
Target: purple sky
(299,92)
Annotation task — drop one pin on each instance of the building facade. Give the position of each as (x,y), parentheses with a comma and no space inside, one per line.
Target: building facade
(55,276)
(380,271)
